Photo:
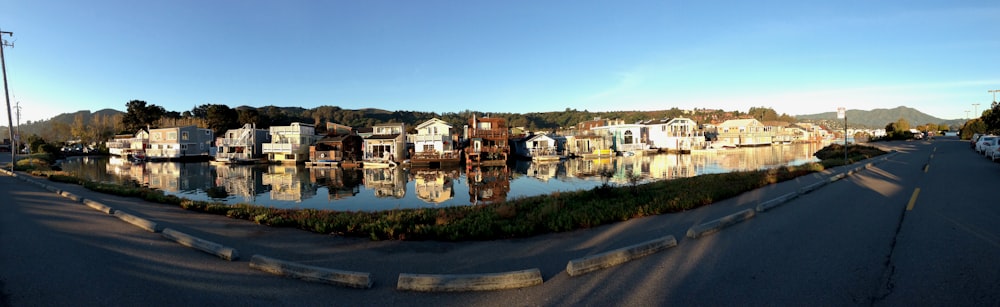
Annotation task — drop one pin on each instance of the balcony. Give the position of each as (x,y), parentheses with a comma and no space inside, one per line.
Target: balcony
(431,138)
(286,148)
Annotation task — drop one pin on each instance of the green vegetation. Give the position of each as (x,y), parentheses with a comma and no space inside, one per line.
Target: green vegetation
(833,155)
(522,217)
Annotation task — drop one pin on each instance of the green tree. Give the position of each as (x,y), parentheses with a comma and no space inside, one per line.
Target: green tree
(991,118)
(902,124)
(972,126)
(220,117)
(138,115)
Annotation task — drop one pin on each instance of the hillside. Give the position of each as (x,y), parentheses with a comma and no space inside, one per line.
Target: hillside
(879,118)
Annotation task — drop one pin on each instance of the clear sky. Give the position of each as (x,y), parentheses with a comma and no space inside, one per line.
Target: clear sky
(798,57)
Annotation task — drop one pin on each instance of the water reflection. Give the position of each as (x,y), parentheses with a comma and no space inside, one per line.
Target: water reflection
(354,189)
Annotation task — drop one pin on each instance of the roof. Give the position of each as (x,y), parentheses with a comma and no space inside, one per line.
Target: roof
(433,121)
(383,136)
(740,123)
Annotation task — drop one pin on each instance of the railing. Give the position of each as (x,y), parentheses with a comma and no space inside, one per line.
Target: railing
(431,138)
(433,155)
(543,151)
(233,142)
(279,147)
(632,147)
(488,134)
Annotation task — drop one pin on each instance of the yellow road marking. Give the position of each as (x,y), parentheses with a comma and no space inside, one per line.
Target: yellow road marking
(926,167)
(932,156)
(913,199)
(935,149)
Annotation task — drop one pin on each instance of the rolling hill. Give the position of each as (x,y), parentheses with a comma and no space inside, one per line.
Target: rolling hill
(879,118)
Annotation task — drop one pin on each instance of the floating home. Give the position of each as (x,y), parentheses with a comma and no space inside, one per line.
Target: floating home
(386,146)
(626,138)
(678,135)
(180,143)
(487,141)
(131,146)
(334,149)
(435,143)
(242,145)
(290,144)
(744,133)
(541,147)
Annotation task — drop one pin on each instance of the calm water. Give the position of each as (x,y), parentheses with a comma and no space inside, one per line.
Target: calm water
(288,186)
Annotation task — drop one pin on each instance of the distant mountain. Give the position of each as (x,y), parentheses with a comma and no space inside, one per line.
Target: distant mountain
(879,118)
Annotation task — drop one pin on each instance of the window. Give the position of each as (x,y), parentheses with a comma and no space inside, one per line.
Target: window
(628,137)
(172,136)
(184,136)
(157,136)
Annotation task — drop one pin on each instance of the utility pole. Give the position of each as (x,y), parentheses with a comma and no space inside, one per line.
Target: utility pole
(994,92)
(6,95)
(976,108)
(966,114)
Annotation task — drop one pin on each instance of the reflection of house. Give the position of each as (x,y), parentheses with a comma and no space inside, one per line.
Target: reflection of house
(340,183)
(387,143)
(179,143)
(242,145)
(290,144)
(434,143)
(387,182)
(487,141)
(541,147)
(240,180)
(626,137)
(488,184)
(288,184)
(124,145)
(337,148)
(744,132)
(676,135)
(545,170)
(178,177)
(433,186)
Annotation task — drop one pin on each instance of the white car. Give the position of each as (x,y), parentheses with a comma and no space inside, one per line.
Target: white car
(981,143)
(991,147)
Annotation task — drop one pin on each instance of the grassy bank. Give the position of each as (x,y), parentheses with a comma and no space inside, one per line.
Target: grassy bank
(522,217)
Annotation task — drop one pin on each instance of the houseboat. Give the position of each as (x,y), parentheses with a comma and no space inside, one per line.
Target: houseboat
(129,146)
(488,184)
(180,143)
(626,139)
(744,133)
(487,141)
(542,147)
(290,144)
(589,145)
(386,147)
(242,146)
(334,149)
(435,144)
(676,135)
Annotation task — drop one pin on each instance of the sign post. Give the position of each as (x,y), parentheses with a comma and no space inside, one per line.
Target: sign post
(842,113)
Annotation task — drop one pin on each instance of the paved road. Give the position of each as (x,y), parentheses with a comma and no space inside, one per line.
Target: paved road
(852,242)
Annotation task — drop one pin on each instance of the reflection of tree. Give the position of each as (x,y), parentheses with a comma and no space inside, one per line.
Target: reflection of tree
(488,184)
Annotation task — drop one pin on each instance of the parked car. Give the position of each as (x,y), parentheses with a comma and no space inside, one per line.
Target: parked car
(974,139)
(990,147)
(981,143)
(994,152)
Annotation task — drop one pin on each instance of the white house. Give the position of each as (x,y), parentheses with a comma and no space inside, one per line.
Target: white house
(677,134)
(744,132)
(626,137)
(387,143)
(242,144)
(434,142)
(290,144)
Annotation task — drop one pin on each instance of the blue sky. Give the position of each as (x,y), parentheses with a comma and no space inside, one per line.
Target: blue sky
(798,57)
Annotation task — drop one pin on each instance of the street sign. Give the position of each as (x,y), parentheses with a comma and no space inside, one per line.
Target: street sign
(841,112)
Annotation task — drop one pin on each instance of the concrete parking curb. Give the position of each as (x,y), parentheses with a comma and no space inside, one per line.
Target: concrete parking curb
(714,226)
(98,206)
(469,282)
(71,196)
(615,257)
(780,200)
(137,221)
(312,273)
(812,187)
(210,247)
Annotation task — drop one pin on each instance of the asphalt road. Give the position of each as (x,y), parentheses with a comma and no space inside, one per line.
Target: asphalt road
(852,242)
